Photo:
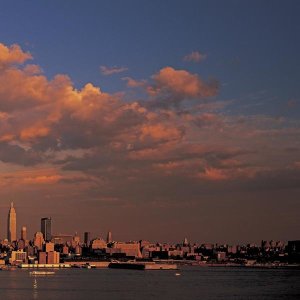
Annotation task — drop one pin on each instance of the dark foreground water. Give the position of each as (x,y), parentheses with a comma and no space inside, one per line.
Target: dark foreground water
(193,283)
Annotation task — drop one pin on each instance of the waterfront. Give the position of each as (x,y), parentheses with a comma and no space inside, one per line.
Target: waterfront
(193,283)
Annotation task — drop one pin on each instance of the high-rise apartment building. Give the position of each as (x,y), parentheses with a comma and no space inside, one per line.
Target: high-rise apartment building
(46,228)
(12,224)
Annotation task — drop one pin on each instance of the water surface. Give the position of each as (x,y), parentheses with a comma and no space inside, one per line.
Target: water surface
(193,283)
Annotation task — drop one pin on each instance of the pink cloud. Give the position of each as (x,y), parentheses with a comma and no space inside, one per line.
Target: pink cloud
(42,179)
(182,84)
(159,131)
(213,174)
(12,55)
(195,56)
(112,70)
(132,83)
(36,131)
(126,143)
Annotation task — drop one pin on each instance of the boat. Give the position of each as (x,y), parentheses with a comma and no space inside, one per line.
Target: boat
(88,266)
(41,273)
(141,266)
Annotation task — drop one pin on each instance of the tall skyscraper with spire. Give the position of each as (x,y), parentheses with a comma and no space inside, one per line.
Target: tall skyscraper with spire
(12,224)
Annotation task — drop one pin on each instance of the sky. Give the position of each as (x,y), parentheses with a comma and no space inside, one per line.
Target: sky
(157,120)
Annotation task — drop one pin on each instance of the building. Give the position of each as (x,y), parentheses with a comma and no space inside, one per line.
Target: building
(21,244)
(24,233)
(53,257)
(29,250)
(294,251)
(78,250)
(38,240)
(75,240)
(62,239)
(18,257)
(221,256)
(12,224)
(42,257)
(49,247)
(98,244)
(109,237)
(87,238)
(130,249)
(185,242)
(46,228)
(65,250)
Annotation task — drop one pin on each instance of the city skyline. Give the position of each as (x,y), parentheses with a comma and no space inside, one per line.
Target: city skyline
(152,119)
(45,231)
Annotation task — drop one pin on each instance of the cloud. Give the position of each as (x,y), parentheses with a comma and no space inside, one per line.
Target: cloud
(16,154)
(34,132)
(113,146)
(208,119)
(132,83)
(213,174)
(12,55)
(42,179)
(160,132)
(195,56)
(112,70)
(172,86)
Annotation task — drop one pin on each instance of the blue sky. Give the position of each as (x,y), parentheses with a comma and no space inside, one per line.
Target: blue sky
(251,46)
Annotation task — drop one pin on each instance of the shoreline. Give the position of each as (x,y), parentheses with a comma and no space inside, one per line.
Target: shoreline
(105,265)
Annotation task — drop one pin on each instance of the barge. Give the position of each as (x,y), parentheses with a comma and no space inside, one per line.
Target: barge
(142,266)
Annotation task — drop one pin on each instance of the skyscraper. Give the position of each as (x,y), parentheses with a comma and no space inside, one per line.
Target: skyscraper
(12,224)
(87,238)
(109,237)
(46,228)
(24,233)
(38,240)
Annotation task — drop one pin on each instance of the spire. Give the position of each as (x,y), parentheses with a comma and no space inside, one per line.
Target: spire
(11,204)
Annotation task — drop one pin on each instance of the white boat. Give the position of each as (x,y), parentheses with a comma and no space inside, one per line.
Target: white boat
(41,273)
(88,266)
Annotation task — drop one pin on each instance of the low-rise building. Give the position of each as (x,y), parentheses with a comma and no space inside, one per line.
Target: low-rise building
(18,257)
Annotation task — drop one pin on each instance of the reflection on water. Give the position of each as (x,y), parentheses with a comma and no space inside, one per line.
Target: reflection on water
(194,283)
(35,289)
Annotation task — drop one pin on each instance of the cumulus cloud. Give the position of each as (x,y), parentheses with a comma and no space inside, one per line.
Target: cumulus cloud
(128,149)
(172,86)
(112,70)
(195,56)
(41,112)
(12,55)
